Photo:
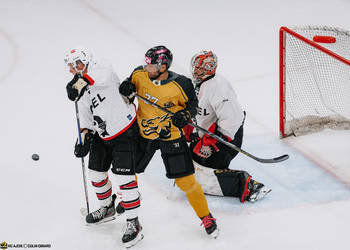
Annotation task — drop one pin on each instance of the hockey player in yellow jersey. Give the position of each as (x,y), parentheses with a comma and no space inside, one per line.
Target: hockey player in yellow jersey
(159,130)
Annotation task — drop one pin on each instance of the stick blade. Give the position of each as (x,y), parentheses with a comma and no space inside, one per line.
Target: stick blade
(273,160)
(281,158)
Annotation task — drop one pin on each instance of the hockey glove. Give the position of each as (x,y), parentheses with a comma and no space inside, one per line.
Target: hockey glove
(76,87)
(127,89)
(181,118)
(81,150)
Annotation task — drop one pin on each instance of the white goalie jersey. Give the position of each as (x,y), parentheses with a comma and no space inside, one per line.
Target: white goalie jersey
(218,103)
(102,108)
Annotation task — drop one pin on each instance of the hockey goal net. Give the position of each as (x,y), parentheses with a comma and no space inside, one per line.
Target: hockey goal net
(314,79)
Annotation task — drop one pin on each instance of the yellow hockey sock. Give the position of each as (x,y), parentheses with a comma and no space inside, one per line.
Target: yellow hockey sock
(194,193)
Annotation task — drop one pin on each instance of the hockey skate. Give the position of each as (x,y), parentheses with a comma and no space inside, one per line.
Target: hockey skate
(132,233)
(257,191)
(210,226)
(103,214)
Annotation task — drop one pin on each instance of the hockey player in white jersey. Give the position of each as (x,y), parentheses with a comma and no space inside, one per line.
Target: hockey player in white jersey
(221,114)
(110,134)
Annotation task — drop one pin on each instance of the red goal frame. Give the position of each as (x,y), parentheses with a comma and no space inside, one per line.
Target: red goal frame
(282,66)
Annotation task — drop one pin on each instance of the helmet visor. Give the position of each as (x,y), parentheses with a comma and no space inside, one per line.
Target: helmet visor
(152,67)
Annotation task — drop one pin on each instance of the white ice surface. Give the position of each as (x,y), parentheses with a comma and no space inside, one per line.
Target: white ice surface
(40,201)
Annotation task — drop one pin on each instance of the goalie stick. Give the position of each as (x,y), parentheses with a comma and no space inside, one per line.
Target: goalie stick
(262,160)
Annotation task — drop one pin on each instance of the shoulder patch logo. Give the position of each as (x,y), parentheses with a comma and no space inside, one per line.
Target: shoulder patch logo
(169,104)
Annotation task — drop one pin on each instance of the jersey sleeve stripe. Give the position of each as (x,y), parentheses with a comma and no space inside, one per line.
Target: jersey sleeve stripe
(91,81)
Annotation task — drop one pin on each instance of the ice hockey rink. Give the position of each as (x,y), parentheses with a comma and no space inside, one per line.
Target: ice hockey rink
(309,205)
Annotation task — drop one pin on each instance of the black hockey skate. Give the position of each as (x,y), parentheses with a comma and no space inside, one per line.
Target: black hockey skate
(132,233)
(257,191)
(210,226)
(103,214)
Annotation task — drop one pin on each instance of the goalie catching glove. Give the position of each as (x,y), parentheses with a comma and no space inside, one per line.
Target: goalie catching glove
(81,150)
(76,87)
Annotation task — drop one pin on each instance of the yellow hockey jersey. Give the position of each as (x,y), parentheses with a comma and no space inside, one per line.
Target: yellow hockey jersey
(175,93)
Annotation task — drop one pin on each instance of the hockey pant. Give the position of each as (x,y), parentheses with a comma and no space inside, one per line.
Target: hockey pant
(223,182)
(128,190)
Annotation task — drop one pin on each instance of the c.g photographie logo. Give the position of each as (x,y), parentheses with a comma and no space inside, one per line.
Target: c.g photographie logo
(5,245)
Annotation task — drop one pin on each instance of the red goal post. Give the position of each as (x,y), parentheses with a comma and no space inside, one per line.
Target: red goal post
(314,79)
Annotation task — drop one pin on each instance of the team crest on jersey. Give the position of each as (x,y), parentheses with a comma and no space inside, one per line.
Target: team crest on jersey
(101,124)
(159,125)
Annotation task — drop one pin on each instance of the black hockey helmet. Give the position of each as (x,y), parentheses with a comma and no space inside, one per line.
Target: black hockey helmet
(159,55)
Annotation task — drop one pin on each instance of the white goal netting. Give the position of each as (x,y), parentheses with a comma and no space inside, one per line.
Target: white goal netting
(317,85)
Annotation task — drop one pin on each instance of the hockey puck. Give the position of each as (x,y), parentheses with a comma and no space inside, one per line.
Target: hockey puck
(35,157)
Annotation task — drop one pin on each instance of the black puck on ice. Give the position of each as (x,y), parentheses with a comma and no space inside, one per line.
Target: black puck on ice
(35,157)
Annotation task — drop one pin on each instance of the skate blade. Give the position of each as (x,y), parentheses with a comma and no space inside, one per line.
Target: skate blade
(101,221)
(215,234)
(132,243)
(83,211)
(260,194)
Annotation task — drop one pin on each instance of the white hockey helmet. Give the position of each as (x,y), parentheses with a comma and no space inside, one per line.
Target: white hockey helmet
(203,65)
(78,54)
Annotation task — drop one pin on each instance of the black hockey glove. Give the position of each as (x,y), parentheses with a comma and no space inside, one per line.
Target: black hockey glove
(127,89)
(181,118)
(76,87)
(81,150)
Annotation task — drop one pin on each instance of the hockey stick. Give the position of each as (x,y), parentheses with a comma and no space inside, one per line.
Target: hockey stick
(82,161)
(262,160)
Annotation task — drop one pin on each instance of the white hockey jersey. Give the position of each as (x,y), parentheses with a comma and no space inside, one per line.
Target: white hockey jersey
(102,108)
(218,103)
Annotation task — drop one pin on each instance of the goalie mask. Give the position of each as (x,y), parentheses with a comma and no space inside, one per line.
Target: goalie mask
(203,65)
(76,55)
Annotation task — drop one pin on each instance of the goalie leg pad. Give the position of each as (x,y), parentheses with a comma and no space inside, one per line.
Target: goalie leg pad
(233,182)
